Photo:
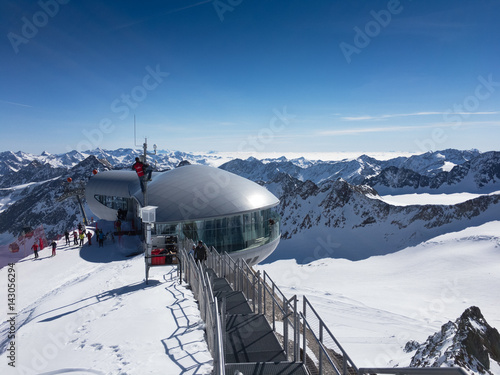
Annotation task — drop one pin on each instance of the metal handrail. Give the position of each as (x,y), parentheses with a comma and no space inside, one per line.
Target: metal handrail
(414,371)
(321,346)
(346,360)
(263,290)
(201,286)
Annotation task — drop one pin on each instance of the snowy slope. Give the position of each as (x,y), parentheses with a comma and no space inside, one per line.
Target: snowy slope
(90,309)
(340,220)
(375,306)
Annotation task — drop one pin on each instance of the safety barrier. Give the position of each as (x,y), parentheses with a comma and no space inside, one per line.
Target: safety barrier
(329,356)
(201,287)
(414,371)
(303,334)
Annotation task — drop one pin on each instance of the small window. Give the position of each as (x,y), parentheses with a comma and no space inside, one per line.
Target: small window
(112,202)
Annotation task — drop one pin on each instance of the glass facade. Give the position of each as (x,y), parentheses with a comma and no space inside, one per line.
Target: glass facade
(115,203)
(230,233)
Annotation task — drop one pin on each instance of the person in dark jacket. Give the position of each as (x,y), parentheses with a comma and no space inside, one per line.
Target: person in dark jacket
(100,238)
(200,252)
(66,236)
(54,245)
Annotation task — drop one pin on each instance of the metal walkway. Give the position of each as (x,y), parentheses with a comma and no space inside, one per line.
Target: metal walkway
(250,345)
(253,328)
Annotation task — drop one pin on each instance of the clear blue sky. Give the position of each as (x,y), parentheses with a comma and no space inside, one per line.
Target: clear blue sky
(229,75)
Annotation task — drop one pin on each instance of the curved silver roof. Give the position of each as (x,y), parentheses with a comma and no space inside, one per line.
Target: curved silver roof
(110,183)
(191,192)
(194,192)
(118,183)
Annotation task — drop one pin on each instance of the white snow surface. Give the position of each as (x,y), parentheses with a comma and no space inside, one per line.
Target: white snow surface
(88,310)
(375,306)
(426,198)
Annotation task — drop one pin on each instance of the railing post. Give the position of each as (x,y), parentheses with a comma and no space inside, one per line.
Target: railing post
(259,293)
(240,275)
(296,337)
(321,351)
(223,324)
(304,341)
(285,327)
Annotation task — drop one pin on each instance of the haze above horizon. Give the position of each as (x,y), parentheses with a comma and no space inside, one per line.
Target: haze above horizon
(240,76)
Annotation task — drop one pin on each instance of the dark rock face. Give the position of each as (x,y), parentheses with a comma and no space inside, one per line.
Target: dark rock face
(338,204)
(315,196)
(469,342)
(481,172)
(37,204)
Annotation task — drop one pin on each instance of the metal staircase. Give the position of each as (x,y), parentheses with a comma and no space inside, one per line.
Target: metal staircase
(252,328)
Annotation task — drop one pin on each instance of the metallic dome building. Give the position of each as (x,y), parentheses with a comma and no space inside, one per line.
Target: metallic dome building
(196,202)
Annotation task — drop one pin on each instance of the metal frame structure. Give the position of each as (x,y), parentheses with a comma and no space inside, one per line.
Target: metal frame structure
(304,335)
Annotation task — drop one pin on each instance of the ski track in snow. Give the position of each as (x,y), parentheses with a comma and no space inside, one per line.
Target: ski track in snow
(101,318)
(83,317)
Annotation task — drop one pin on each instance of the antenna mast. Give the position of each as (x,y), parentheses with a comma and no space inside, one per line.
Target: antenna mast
(145,155)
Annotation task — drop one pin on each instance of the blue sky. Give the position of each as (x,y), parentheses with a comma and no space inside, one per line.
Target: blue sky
(241,75)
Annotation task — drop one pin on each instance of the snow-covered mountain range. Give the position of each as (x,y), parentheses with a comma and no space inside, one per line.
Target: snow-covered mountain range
(352,208)
(337,203)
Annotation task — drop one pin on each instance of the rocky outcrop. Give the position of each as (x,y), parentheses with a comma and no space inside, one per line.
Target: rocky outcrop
(469,342)
(481,173)
(37,204)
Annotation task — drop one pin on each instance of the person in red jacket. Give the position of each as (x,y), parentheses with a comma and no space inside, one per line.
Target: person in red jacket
(35,249)
(89,237)
(143,172)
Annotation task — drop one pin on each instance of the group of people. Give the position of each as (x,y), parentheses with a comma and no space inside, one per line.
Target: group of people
(199,252)
(144,173)
(79,236)
(36,245)
(101,237)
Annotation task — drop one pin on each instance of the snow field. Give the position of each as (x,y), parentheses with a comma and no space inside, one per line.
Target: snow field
(102,317)
(88,310)
(374,306)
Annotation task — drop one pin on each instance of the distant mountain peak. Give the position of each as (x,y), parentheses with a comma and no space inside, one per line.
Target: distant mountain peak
(469,342)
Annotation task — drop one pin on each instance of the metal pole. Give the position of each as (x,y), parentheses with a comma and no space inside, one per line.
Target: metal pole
(144,178)
(149,247)
(320,351)
(285,327)
(304,323)
(259,292)
(296,336)
(82,210)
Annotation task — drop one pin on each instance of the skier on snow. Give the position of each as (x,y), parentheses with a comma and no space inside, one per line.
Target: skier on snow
(35,249)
